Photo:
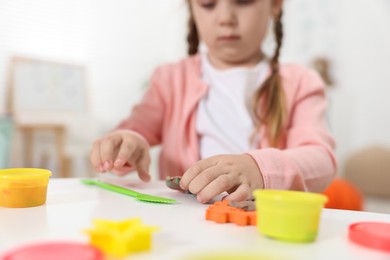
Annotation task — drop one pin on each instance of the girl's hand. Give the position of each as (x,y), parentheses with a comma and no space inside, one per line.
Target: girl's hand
(238,175)
(120,152)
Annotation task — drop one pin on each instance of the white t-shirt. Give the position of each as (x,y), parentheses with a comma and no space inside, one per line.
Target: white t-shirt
(224,120)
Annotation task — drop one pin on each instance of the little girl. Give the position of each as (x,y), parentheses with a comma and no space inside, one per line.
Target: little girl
(229,119)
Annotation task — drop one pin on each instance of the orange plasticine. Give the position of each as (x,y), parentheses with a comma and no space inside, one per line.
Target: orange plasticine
(221,212)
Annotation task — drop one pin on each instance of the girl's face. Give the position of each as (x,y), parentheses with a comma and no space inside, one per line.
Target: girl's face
(233,30)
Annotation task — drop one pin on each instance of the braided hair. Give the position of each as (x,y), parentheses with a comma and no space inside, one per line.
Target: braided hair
(272,113)
(193,36)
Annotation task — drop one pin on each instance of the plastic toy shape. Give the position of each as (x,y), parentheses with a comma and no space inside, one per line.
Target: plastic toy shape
(121,238)
(222,212)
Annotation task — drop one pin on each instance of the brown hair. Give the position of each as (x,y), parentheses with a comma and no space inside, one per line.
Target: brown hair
(269,105)
(193,36)
(274,113)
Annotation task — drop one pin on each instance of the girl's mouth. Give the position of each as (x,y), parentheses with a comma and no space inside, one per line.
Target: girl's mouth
(228,38)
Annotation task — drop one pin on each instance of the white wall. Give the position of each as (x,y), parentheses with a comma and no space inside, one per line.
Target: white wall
(129,39)
(355,36)
(54,30)
(360,102)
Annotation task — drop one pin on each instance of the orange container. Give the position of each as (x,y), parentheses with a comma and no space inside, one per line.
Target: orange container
(23,187)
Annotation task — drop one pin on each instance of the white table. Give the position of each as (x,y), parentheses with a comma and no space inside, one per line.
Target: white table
(71,207)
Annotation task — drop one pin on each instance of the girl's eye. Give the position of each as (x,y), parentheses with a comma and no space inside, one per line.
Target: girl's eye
(244,2)
(207,4)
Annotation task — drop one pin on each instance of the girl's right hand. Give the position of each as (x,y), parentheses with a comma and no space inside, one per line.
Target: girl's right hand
(120,152)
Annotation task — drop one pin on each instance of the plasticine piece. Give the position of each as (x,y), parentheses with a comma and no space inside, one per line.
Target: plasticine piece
(173,183)
(222,212)
(248,205)
(121,238)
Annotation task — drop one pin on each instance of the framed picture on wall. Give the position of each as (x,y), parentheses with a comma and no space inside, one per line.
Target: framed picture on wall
(46,90)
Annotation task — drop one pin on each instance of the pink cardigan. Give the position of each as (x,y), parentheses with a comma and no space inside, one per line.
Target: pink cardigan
(167,115)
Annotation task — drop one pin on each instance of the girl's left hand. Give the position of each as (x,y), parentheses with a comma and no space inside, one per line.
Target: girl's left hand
(238,175)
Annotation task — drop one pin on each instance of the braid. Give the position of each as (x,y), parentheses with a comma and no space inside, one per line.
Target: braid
(272,110)
(192,37)
(278,31)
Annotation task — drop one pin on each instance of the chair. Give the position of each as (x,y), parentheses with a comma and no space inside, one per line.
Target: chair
(369,170)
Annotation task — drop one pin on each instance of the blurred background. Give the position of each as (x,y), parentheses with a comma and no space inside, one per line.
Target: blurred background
(70,70)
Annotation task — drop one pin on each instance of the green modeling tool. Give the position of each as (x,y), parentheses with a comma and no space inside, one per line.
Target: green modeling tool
(128,192)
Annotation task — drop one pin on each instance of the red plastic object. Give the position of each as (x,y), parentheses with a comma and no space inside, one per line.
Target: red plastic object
(54,250)
(221,212)
(371,234)
(343,195)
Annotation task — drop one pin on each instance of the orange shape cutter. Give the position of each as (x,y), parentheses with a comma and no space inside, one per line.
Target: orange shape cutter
(222,212)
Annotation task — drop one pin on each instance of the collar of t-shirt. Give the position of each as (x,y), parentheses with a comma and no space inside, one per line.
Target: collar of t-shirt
(224,120)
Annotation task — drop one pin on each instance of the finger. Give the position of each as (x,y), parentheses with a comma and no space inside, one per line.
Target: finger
(193,171)
(107,154)
(94,156)
(143,166)
(108,147)
(124,155)
(135,155)
(204,178)
(243,192)
(122,171)
(222,183)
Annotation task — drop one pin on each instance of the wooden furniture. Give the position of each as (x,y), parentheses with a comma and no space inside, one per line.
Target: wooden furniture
(27,132)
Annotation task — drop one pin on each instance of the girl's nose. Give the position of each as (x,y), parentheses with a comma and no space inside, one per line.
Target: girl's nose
(226,14)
